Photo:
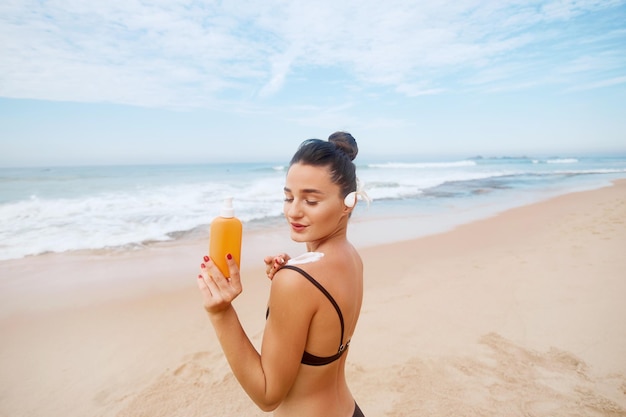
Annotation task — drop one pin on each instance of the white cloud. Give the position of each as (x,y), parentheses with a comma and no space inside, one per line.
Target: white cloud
(600,84)
(180,53)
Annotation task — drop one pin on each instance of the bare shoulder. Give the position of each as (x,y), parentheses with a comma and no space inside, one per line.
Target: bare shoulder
(290,286)
(289,279)
(291,304)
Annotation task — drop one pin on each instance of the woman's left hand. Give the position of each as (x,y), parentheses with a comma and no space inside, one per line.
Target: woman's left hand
(274,263)
(217,291)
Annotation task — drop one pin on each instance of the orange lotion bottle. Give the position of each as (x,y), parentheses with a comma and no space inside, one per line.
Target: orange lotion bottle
(225,237)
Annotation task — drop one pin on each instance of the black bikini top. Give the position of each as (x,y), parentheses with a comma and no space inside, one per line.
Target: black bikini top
(307,358)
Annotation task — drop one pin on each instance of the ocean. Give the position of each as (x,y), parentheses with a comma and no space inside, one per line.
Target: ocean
(131,207)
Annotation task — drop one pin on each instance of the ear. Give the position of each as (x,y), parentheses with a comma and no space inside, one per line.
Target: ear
(350,200)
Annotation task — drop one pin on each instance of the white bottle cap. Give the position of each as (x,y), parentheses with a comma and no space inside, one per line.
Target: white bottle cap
(227,208)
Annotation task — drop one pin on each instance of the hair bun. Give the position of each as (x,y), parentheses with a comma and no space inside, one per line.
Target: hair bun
(345,142)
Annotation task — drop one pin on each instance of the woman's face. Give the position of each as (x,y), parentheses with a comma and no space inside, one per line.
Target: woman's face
(313,205)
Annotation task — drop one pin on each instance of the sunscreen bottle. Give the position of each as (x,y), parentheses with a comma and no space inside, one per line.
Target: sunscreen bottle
(225,237)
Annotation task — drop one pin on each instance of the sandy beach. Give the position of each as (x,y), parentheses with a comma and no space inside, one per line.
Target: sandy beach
(520,314)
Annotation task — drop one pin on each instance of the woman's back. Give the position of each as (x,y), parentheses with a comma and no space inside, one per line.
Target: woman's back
(321,389)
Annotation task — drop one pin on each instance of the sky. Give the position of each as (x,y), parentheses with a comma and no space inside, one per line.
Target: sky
(168,81)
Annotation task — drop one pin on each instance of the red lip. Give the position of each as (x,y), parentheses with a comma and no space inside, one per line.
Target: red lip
(297,227)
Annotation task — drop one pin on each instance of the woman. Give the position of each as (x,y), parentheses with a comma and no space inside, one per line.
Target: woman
(314,302)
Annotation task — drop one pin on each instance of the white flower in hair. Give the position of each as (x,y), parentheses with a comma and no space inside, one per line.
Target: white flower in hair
(360,191)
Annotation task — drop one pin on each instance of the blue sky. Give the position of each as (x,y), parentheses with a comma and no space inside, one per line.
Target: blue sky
(166,81)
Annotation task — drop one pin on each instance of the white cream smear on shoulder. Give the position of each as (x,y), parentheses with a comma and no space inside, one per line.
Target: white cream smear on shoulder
(306,258)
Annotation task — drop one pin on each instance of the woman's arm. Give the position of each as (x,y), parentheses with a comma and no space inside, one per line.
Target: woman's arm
(266,377)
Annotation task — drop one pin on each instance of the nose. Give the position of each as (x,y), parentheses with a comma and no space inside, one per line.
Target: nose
(292,210)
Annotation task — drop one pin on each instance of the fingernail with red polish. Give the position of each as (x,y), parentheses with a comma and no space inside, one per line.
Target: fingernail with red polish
(229,256)
(202,266)
(199,276)
(206,259)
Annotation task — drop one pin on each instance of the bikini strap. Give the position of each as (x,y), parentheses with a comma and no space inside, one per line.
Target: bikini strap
(330,298)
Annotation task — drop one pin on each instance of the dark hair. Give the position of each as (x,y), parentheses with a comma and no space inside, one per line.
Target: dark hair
(337,154)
